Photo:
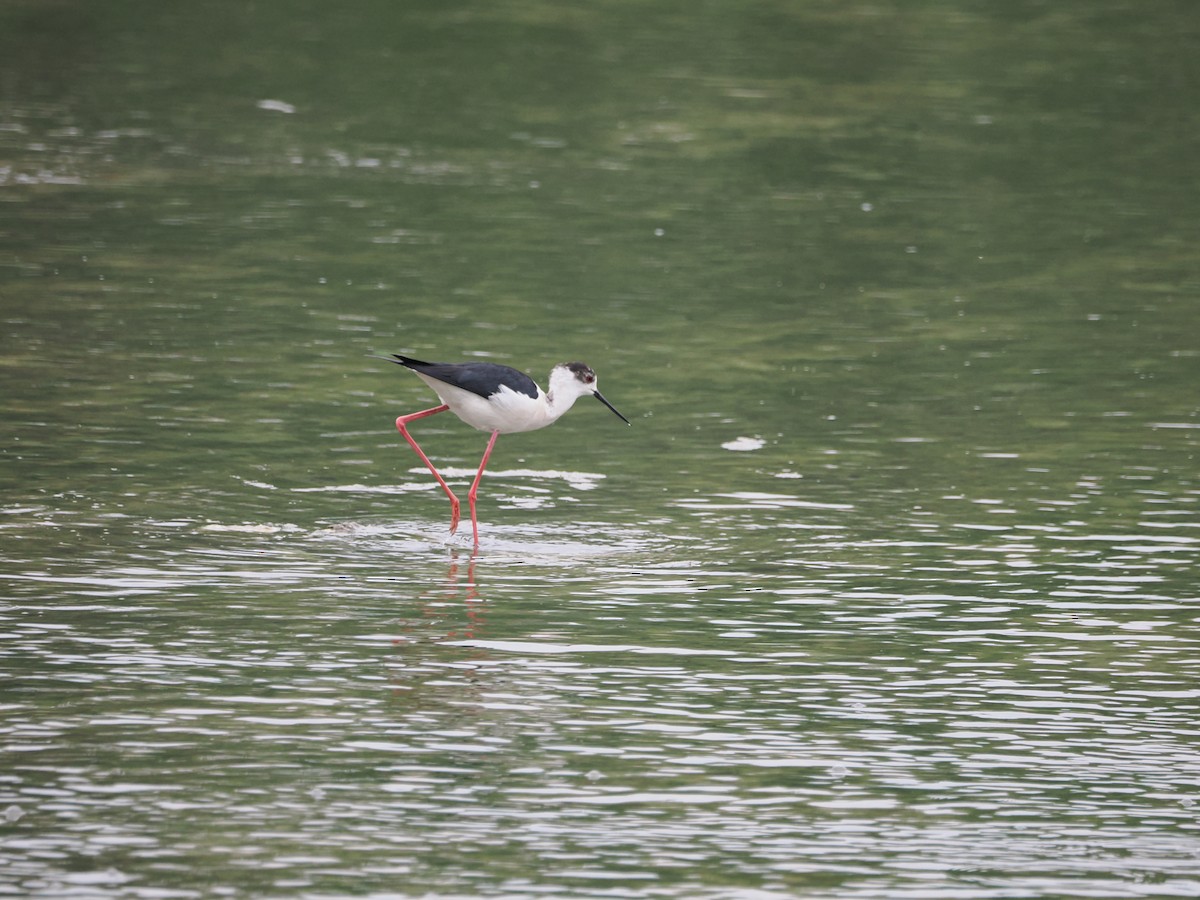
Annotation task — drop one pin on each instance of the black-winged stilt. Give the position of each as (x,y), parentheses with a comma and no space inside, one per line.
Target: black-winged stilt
(498,399)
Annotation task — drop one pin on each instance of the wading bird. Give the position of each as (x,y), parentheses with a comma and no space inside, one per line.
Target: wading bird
(498,399)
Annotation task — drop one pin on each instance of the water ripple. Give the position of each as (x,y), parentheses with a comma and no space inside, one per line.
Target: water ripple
(852,714)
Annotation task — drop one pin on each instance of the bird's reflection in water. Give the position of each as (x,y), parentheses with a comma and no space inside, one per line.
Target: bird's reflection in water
(450,611)
(460,585)
(425,646)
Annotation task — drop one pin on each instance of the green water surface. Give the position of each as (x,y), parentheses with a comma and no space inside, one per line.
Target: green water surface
(889,592)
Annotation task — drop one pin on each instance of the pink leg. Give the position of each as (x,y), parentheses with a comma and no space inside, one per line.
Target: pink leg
(401,424)
(475,484)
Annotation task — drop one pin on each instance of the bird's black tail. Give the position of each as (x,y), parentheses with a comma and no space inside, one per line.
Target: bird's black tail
(400,360)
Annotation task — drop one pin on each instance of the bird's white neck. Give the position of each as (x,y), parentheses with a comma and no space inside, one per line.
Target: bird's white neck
(557,403)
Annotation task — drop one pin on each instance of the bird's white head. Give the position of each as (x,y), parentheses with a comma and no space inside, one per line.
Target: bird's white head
(569,382)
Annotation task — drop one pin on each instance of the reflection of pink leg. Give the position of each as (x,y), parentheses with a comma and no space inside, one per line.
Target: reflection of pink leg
(400,426)
(475,484)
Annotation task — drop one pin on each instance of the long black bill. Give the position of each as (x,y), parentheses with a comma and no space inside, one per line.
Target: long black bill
(600,397)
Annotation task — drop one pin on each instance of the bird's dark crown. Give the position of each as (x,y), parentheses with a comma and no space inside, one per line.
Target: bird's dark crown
(581,371)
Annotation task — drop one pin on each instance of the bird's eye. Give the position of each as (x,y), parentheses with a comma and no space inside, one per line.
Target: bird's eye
(588,379)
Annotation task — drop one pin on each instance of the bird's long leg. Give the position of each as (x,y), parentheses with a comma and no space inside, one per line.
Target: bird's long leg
(401,426)
(475,484)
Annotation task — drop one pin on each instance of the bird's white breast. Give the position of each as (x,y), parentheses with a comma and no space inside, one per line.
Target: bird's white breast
(506,411)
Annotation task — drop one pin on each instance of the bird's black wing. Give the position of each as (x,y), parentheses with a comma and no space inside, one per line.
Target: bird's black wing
(484,379)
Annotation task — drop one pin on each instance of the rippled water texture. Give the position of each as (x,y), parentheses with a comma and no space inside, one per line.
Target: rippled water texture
(889,592)
(967,709)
